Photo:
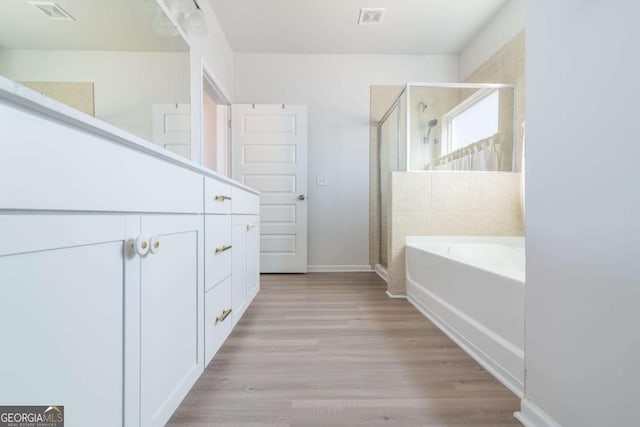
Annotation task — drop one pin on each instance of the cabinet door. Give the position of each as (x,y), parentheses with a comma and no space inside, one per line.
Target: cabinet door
(253,257)
(171,313)
(245,272)
(62,315)
(239,266)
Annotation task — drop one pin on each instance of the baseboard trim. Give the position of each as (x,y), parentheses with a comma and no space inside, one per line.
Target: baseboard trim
(381,271)
(491,365)
(531,415)
(395,296)
(338,268)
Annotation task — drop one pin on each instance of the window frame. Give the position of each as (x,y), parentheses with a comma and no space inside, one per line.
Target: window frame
(448,117)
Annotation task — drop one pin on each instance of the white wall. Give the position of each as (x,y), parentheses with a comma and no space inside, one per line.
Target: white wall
(507,23)
(214,49)
(214,53)
(583,210)
(336,89)
(121,98)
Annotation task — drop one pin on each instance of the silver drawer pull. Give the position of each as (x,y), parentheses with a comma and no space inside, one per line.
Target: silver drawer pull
(222,249)
(220,198)
(225,314)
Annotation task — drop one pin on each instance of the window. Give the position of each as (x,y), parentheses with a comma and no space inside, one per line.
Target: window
(473,120)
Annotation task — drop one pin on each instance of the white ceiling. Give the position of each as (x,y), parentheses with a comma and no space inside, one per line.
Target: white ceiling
(330,26)
(99,25)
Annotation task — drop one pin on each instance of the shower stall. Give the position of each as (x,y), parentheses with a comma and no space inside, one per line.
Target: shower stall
(444,127)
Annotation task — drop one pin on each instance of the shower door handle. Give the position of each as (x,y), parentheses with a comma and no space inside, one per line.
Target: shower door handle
(302,197)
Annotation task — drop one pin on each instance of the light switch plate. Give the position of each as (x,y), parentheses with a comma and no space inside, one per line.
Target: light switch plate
(322,180)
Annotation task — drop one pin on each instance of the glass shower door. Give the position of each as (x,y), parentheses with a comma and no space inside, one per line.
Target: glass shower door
(389,162)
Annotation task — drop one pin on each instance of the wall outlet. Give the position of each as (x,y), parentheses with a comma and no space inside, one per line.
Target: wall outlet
(322,180)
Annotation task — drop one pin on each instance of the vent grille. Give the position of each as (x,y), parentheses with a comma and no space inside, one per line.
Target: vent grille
(371,16)
(52,10)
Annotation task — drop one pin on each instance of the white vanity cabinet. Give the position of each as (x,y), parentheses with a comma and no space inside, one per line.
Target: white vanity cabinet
(245,269)
(253,258)
(109,278)
(105,311)
(231,259)
(246,265)
(218,253)
(63,280)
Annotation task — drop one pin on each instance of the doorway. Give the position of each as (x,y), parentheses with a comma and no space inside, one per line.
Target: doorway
(270,155)
(216,140)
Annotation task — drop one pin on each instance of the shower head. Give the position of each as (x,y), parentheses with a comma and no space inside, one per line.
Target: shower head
(431,124)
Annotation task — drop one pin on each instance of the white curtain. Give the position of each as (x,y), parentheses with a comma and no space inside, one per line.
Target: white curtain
(480,156)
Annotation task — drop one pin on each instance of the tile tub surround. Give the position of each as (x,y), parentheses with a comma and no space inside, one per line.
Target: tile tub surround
(507,65)
(449,203)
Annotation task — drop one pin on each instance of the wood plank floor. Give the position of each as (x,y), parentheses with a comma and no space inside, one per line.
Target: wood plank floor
(334,350)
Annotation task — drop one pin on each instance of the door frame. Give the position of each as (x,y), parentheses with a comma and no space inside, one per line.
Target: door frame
(209,83)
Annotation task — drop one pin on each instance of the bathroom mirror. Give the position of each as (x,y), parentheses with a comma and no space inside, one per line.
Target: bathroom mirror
(121,61)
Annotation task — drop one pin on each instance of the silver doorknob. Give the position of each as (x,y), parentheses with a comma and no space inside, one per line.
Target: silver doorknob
(301,197)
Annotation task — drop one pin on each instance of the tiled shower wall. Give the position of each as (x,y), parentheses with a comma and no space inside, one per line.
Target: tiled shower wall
(449,203)
(463,203)
(508,66)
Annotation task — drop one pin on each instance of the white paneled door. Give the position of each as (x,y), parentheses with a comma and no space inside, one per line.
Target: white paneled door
(270,155)
(172,128)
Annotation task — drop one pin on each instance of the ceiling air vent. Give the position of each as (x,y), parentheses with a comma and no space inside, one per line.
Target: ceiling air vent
(52,10)
(371,16)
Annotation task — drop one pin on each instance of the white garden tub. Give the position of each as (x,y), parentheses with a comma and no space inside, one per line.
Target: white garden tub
(472,288)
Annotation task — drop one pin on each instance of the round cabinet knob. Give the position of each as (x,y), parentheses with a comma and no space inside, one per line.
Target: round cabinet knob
(154,244)
(142,245)
(302,197)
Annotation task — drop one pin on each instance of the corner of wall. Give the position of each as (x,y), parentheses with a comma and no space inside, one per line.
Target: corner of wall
(530,415)
(216,51)
(502,27)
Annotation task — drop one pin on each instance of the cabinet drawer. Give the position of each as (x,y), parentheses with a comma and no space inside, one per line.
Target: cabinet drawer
(244,202)
(218,318)
(217,251)
(217,197)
